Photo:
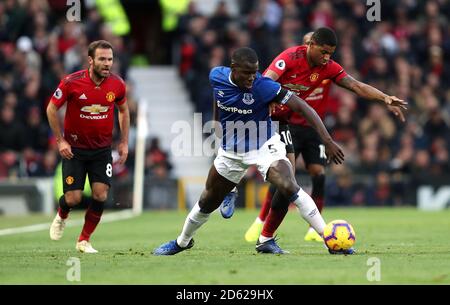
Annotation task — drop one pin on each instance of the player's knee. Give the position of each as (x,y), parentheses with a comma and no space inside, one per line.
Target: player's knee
(316,170)
(318,183)
(100,196)
(288,188)
(73,198)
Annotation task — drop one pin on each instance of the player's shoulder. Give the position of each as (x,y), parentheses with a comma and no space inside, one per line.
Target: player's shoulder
(260,80)
(219,74)
(262,84)
(295,52)
(333,65)
(74,76)
(333,68)
(117,78)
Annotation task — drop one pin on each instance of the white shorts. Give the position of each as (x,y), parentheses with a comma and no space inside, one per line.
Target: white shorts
(233,166)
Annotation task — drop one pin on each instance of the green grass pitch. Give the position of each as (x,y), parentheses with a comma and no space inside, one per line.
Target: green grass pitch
(412,247)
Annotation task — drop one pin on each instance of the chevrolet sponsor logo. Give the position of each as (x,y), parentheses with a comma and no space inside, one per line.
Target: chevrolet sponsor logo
(296,87)
(94,117)
(95,109)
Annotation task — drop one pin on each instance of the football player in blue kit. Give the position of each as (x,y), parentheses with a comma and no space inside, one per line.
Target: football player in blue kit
(249,138)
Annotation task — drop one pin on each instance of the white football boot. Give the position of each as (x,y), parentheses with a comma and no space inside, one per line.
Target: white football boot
(85,247)
(57,228)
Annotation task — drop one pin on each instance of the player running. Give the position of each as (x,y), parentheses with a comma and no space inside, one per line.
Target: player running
(242,97)
(85,148)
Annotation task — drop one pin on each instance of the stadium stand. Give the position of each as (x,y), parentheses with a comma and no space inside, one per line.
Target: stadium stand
(405,54)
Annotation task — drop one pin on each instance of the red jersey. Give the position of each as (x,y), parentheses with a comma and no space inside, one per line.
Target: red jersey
(309,83)
(89,117)
(317,100)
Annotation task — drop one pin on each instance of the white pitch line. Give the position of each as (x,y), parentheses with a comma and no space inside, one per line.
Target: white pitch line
(110,217)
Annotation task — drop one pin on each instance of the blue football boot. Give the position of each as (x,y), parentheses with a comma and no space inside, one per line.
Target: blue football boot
(227,205)
(171,248)
(269,246)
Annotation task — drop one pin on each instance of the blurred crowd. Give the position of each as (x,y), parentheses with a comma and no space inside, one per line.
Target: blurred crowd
(406,54)
(38,47)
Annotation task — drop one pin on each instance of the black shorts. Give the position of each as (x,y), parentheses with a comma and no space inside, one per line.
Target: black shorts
(308,143)
(97,164)
(286,137)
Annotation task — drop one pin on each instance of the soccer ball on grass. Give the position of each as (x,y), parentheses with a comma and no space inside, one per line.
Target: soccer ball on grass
(339,235)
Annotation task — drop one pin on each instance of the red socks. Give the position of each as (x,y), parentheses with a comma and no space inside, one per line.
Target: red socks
(266,207)
(91,219)
(273,221)
(319,202)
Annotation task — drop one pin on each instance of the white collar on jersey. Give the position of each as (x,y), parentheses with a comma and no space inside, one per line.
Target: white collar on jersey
(229,78)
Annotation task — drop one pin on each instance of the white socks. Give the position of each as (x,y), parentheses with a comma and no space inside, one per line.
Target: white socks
(194,220)
(263,239)
(309,211)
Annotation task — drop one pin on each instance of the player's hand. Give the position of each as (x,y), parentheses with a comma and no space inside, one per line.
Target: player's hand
(123,152)
(397,111)
(334,152)
(64,149)
(395,101)
(272,107)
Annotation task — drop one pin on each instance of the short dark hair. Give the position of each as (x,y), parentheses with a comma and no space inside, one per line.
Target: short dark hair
(98,44)
(244,55)
(325,36)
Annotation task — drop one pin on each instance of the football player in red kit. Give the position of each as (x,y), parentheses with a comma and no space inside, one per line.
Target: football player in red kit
(303,69)
(85,145)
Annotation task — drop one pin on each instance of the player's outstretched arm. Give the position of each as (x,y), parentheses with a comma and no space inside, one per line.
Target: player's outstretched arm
(394,104)
(333,151)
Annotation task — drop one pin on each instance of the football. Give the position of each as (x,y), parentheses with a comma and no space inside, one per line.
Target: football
(339,235)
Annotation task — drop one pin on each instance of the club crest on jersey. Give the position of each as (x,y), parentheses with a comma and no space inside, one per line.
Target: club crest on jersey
(110,96)
(70,180)
(248,99)
(313,77)
(58,93)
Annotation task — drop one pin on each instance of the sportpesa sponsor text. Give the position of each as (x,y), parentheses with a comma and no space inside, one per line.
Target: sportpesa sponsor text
(234,109)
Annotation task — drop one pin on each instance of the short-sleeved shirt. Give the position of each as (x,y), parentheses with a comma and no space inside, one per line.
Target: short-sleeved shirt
(295,74)
(89,119)
(244,113)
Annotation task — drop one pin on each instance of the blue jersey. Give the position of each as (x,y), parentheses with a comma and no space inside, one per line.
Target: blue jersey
(244,114)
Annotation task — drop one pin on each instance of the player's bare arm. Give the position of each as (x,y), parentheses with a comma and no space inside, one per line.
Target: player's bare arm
(394,104)
(124,123)
(63,146)
(333,151)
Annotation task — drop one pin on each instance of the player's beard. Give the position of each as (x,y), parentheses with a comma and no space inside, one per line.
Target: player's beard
(98,72)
